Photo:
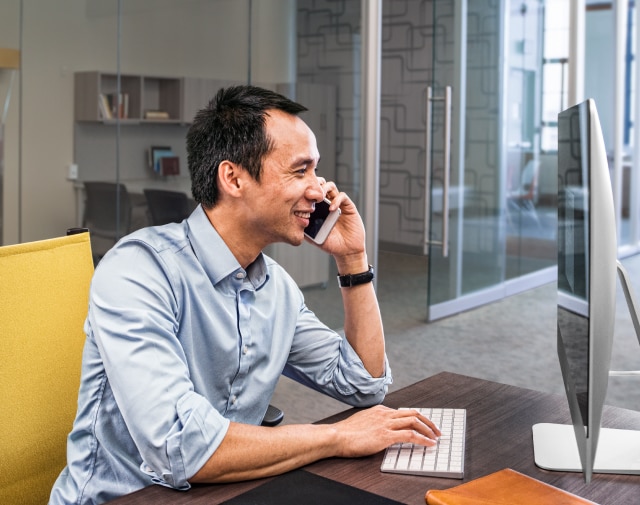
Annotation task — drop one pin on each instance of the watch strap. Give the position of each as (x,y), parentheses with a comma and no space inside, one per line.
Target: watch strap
(348,280)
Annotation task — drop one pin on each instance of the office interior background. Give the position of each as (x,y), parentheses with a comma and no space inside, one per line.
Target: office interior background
(438,117)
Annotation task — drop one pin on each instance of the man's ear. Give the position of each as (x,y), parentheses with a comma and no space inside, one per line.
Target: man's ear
(230,178)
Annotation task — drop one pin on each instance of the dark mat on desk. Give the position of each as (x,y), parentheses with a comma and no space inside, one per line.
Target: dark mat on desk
(300,487)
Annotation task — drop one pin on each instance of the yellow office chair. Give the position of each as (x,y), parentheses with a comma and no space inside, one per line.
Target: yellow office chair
(44,292)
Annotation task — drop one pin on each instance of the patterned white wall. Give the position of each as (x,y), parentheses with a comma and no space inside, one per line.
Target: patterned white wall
(418,51)
(413,42)
(329,53)
(496,133)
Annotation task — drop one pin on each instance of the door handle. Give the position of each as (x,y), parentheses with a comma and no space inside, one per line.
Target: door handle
(446,175)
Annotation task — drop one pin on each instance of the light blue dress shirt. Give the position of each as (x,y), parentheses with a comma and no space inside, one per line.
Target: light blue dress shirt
(181,340)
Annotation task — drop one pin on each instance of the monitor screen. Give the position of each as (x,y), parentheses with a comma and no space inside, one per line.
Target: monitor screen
(573,249)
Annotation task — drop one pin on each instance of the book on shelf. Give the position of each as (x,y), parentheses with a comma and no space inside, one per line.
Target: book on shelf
(122,105)
(105,106)
(170,165)
(156,114)
(156,153)
(116,105)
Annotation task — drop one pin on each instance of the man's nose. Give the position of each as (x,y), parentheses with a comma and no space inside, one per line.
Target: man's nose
(315,191)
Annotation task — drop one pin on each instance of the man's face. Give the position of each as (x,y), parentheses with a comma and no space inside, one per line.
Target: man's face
(280,204)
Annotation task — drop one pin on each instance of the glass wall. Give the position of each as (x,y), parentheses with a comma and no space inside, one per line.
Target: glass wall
(531,183)
(111,87)
(463,178)
(153,66)
(9,117)
(328,74)
(106,85)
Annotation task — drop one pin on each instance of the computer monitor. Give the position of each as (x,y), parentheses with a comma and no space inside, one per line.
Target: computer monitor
(587,266)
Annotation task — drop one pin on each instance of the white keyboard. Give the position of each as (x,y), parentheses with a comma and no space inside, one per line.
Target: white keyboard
(445,459)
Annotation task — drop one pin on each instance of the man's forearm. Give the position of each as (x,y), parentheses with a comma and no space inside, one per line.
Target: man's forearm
(362,321)
(252,452)
(363,327)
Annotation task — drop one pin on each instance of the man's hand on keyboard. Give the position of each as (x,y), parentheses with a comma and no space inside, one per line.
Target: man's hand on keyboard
(373,430)
(250,452)
(446,459)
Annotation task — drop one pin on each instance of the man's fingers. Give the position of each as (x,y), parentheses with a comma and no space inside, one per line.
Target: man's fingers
(420,423)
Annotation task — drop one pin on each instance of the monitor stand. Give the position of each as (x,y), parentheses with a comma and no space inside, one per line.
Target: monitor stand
(555,448)
(632,305)
(618,451)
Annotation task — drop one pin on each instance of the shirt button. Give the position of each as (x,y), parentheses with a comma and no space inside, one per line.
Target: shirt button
(245,349)
(240,275)
(234,399)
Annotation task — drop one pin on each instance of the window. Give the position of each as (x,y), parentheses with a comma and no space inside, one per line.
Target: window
(555,60)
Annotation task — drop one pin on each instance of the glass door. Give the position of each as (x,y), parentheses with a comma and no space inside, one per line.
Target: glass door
(459,163)
(440,147)
(464,233)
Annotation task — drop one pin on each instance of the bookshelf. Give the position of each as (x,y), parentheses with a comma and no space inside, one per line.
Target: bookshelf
(90,87)
(173,101)
(162,95)
(148,99)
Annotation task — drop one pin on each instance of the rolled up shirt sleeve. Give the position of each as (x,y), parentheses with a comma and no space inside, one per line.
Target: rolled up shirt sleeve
(352,377)
(191,441)
(324,360)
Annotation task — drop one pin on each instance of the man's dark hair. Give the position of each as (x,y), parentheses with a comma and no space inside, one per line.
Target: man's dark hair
(231,127)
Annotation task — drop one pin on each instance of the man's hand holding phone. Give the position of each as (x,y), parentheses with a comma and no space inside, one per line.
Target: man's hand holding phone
(321,222)
(343,238)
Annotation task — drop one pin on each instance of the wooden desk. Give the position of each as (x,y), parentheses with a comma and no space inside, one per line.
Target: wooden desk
(499,420)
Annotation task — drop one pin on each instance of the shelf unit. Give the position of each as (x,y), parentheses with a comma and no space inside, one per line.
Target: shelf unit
(179,97)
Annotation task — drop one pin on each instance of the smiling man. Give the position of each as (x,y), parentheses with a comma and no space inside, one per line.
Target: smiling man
(190,325)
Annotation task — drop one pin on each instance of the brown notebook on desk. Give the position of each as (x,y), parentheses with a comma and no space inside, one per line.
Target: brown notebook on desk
(506,487)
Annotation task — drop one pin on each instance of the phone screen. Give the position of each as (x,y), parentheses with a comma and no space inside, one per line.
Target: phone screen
(317,218)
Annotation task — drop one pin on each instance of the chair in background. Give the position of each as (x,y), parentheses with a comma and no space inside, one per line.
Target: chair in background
(107,213)
(44,292)
(167,206)
(524,198)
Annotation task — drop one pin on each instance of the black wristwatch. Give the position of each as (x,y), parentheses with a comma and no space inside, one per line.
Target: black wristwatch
(348,280)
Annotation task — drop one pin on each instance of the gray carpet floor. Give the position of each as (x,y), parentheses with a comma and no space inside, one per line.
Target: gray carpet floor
(511,341)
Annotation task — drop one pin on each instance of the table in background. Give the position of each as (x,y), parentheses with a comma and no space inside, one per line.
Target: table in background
(135,188)
(499,420)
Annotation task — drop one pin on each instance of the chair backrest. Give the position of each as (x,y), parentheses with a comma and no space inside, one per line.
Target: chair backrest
(107,209)
(44,292)
(529,180)
(167,206)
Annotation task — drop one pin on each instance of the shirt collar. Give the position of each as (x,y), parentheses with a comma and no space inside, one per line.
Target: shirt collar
(213,254)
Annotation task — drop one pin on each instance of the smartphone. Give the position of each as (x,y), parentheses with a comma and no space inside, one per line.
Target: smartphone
(321,222)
